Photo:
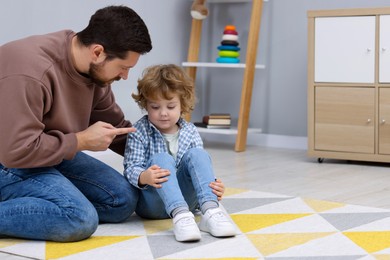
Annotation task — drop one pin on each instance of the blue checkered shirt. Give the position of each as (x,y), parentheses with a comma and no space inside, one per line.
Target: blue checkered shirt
(148,140)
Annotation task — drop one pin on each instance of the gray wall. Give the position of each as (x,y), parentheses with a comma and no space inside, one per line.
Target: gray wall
(19,18)
(286,110)
(279,101)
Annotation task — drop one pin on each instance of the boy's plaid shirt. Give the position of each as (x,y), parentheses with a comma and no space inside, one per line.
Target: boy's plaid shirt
(148,140)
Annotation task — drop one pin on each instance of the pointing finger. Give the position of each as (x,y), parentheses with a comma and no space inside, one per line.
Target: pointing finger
(124,130)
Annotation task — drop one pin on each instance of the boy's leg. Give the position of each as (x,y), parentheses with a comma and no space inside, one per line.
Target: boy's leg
(108,190)
(168,201)
(42,204)
(195,173)
(159,203)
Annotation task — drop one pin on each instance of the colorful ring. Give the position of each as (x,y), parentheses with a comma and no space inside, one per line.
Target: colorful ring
(230,27)
(229,37)
(232,43)
(234,32)
(228,48)
(229,54)
(227,60)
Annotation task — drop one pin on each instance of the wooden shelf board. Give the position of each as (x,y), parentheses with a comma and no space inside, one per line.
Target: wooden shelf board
(230,131)
(231,1)
(219,65)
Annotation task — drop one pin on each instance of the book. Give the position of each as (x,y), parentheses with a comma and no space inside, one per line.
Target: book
(216,121)
(219,115)
(201,124)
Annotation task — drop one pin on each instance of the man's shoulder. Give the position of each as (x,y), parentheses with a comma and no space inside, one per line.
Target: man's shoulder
(34,55)
(38,40)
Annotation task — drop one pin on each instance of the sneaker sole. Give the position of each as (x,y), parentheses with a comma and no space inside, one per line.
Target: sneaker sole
(222,233)
(188,238)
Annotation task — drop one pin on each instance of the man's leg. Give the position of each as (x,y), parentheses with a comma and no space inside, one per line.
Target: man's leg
(42,204)
(108,190)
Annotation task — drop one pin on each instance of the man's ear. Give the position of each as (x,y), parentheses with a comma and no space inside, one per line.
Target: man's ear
(97,52)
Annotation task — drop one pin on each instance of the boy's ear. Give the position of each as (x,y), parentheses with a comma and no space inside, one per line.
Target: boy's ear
(198,10)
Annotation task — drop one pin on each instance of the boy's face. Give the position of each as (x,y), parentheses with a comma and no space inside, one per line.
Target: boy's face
(106,72)
(164,113)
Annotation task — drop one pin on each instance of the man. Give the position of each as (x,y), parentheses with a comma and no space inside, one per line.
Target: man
(56,101)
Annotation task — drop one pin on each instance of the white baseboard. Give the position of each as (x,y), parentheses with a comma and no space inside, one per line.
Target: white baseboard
(267,140)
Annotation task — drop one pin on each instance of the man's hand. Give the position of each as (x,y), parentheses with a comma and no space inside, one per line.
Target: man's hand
(153,176)
(99,136)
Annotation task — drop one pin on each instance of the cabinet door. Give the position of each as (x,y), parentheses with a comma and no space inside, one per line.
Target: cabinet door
(344,49)
(384,49)
(344,119)
(384,120)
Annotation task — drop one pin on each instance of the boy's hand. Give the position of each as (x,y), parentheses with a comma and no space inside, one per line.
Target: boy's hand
(153,176)
(218,188)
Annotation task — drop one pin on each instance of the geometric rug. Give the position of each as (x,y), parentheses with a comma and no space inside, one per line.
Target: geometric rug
(271,226)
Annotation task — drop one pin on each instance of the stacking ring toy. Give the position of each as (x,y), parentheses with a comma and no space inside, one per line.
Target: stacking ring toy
(228,48)
(233,43)
(229,54)
(230,32)
(230,27)
(229,37)
(227,60)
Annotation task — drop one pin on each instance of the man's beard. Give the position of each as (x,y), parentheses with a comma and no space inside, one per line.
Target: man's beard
(93,73)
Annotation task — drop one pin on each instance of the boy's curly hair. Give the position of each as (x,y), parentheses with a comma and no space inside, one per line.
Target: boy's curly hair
(162,81)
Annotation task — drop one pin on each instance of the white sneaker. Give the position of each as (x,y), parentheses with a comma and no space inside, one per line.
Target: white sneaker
(215,222)
(185,227)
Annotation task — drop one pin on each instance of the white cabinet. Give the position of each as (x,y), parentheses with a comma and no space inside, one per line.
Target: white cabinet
(349,84)
(345,49)
(384,48)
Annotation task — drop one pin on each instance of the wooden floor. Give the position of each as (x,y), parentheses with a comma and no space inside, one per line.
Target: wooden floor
(291,172)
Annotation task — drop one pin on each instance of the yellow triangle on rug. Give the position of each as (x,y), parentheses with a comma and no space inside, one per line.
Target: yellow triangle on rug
(156,226)
(370,241)
(9,242)
(56,250)
(269,244)
(251,222)
(321,205)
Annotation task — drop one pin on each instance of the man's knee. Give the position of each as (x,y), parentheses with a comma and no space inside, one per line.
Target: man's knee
(122,207)
(79,226)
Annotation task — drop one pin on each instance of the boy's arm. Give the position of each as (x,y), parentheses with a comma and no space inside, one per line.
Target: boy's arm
(134,159)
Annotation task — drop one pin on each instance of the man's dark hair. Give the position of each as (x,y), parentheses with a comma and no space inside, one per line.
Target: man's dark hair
(118,29)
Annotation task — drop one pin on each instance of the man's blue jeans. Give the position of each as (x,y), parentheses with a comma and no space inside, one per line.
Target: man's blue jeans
(65,202)
(187,186)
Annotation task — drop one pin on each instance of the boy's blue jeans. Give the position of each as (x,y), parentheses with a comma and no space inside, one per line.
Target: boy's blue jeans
(187,186)
(65,202)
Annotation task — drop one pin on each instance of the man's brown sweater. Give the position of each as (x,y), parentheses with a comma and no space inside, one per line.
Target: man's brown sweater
(44,101)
